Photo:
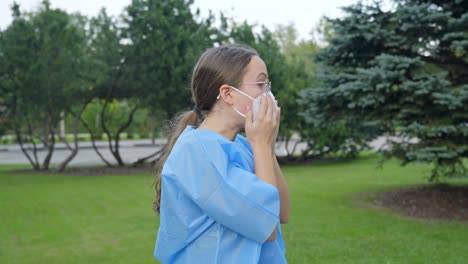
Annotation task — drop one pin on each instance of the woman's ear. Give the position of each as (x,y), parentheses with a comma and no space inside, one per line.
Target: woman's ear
(225,94)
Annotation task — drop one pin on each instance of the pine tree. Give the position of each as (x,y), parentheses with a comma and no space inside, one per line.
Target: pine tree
(402,72)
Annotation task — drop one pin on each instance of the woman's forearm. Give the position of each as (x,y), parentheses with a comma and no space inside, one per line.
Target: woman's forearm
(265,164)
(268,170)
(283,191)
(265,171)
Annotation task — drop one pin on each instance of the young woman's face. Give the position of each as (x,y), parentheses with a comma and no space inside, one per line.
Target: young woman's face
(254,83)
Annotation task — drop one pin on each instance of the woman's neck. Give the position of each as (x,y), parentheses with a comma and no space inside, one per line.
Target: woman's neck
(220,125)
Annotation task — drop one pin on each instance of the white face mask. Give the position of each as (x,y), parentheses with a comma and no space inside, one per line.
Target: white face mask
(256,102)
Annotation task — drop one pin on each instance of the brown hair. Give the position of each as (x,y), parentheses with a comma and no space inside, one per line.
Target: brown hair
(215,67)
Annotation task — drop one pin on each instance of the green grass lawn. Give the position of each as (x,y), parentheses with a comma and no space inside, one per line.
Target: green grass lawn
(108,219)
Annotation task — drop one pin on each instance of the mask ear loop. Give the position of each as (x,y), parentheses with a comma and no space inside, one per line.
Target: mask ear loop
(239,91)
(237,111)
(243,93)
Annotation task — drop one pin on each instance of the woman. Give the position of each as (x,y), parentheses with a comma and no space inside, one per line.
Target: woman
(222,196)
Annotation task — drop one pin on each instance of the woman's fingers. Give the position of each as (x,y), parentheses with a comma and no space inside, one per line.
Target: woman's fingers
(267,108)
(278,118)
(275,109)
(263,108)
(265,105)
(265,126)
(269,113)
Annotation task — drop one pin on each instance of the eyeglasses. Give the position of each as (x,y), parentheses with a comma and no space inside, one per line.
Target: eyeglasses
(265,86)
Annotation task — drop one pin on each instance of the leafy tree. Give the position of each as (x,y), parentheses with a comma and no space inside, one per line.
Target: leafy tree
(113,95)
(41,53)
(165,38)
(77,95)
(401,72)
(16,73)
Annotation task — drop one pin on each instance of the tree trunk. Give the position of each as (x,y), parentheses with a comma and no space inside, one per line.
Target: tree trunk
(50,149)
(61,167)
(142,160)
(93,142)
(114,149)
(119,132)
(294,148)
(62,125)
(23,149)
(74,151)
(33,143)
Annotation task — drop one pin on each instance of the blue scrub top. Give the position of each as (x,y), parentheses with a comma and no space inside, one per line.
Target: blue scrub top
(214,209)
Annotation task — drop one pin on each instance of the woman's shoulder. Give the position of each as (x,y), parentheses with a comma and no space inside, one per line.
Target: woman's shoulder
(209,142)
(197,147)
(205,141)
(191,135)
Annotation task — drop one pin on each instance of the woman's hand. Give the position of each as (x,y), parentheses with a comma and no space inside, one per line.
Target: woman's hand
(264,130)
(278,109)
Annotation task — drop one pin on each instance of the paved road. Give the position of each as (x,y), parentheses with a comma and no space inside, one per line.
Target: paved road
(131,150)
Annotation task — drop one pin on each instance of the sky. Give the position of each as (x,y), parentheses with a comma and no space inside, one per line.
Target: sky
(304,14)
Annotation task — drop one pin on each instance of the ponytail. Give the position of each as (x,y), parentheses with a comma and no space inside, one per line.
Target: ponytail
(177,127)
